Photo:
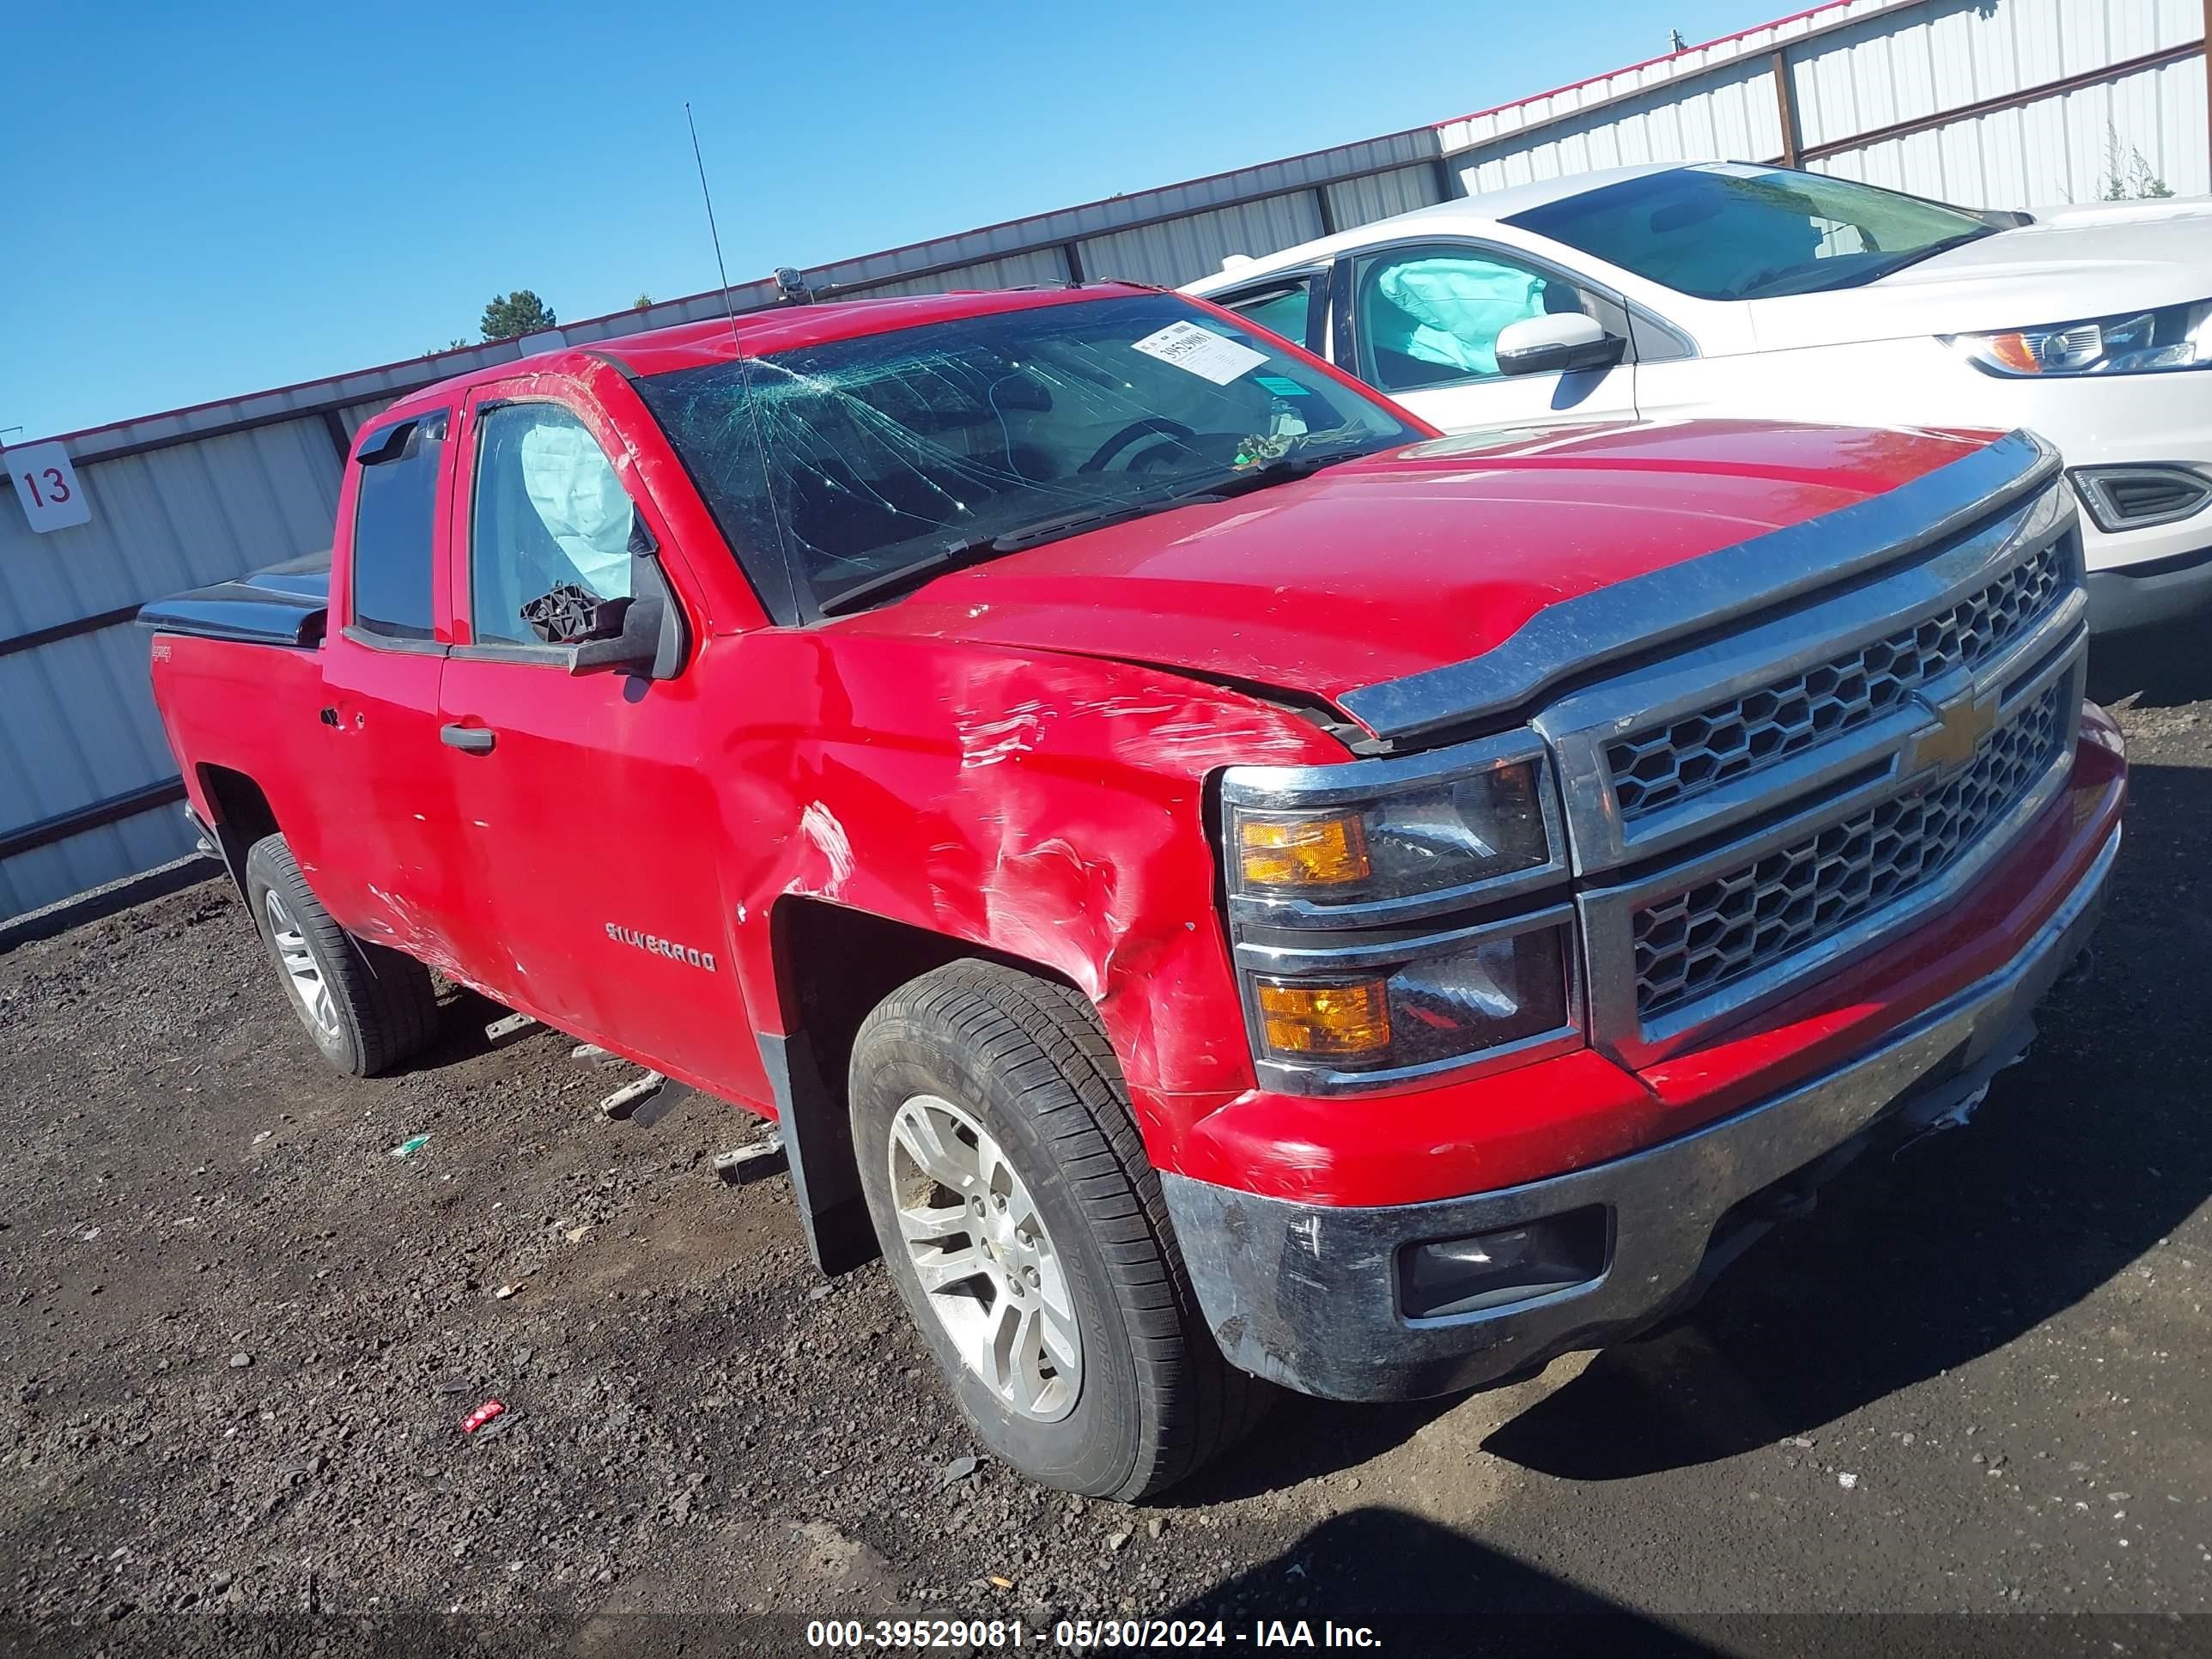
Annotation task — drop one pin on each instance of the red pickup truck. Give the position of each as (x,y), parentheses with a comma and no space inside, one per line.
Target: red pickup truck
(1214,881)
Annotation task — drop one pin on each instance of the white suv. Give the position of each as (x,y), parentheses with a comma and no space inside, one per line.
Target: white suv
(1719,290)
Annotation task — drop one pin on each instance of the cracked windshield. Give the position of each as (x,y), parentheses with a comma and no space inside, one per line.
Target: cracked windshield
(877,462)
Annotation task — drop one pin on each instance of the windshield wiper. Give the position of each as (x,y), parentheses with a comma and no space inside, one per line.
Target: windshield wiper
(1943,245)
(1295,463)
(974,550)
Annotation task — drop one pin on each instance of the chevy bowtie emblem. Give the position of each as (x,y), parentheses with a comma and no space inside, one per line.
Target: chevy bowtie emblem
(1961,724)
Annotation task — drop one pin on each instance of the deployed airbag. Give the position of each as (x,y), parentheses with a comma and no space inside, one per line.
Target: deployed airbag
(573,488)
(1458,308)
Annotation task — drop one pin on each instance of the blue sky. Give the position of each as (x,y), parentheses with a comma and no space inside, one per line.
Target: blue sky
(212,200)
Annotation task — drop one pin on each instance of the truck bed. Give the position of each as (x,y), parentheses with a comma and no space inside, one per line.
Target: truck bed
(285,604)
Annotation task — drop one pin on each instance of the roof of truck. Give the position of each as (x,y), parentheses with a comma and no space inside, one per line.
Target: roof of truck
(689,345)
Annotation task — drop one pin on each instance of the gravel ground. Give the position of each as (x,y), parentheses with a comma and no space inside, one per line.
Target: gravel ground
(245,1333)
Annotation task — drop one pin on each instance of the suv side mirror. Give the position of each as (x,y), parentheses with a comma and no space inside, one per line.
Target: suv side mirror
(1555,343)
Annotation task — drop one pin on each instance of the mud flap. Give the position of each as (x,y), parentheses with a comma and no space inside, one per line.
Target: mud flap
(817,1139)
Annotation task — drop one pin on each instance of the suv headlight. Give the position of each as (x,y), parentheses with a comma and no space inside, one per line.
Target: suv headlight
(2129,343)
(1391,917)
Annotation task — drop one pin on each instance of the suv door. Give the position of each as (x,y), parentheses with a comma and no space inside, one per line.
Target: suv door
(1293,304)
(1424,322)
(587,796)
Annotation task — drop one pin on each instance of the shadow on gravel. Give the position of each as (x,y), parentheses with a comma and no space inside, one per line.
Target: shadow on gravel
(1419,1588)
(2160,668)
(1382,1580)
(462,1015)
(1299,1439)
(2083,1157)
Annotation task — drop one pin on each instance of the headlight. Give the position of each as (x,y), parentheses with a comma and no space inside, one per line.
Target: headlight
(1377,841)
(1485,993)
(2129,343)
(1393,918)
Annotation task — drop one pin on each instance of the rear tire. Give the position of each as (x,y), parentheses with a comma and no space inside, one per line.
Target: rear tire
(366,1007)
(1074,1347)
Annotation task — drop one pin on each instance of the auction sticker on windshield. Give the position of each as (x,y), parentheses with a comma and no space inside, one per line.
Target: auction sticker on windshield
(1210,356)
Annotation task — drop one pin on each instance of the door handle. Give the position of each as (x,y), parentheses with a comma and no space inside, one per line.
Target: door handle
(469,739)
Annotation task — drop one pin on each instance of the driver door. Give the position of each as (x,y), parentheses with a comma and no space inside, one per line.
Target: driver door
(586,798)
(1426,320)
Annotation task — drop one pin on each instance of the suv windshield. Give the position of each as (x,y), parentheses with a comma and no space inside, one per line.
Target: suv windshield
(865,458)
(1729,232)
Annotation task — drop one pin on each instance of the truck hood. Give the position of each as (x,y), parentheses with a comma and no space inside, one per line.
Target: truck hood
(2077,264)
(1385,566)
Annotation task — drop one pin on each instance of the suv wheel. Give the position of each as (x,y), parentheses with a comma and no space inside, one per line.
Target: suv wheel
(1024,1229)
(367,1006)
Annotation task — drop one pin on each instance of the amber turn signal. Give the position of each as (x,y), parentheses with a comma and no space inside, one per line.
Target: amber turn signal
(1301,851)
(1300,1019)
(2015,352)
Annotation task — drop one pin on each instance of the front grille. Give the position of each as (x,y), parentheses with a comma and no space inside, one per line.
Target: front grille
(1751,918)
(1728,739)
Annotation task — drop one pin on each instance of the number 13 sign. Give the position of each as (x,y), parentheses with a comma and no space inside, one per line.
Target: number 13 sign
(46,485)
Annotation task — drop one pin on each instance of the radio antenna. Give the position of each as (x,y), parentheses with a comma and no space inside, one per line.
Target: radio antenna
(720,269)
(745,363)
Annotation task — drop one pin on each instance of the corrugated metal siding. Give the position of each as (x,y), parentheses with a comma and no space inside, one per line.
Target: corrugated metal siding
(1949,53)
(80,727)
(1731,113)
(2054,151)
(1043,268)
(79,724)
(31,880)
(357,416)
(1662,76)
(1362,201)
(1870,64)
(1183,249)
(169,519)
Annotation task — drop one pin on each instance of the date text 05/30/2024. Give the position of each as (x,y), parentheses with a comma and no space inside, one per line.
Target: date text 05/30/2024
(1085,1635)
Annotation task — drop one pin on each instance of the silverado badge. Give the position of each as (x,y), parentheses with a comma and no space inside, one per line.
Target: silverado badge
(688,955)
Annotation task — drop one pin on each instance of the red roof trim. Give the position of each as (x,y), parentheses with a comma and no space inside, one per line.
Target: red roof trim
(1664,57)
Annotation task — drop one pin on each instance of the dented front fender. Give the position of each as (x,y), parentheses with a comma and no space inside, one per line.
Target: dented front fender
(1050,807)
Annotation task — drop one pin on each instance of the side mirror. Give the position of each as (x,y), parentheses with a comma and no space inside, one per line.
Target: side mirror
(654,639)
(1557,343)
(644,635)
(636,648)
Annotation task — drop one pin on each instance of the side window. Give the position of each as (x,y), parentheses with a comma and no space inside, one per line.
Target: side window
(548,512)
(1283,310)
(1432,316)
(394,510)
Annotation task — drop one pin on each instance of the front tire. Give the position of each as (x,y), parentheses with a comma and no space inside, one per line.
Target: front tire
(1025,1228)
(366,1007)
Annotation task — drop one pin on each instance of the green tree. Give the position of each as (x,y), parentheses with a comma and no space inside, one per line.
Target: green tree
(520,312)
(641,302)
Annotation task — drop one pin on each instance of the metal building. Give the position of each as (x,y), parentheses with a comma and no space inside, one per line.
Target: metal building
(1988,102)
(1991,103)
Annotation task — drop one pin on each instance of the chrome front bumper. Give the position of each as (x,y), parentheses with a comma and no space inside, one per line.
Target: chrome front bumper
(1307,1294)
